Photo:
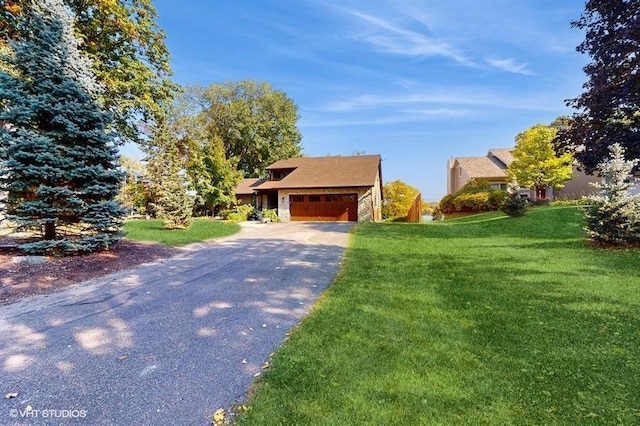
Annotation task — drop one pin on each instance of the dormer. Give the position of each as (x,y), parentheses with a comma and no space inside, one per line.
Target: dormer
(279,174)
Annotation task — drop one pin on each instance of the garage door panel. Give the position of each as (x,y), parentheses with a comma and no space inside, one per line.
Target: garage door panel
(321,207)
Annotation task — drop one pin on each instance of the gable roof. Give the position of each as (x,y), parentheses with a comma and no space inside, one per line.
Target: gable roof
(502,154)
(480,167)
(494,164)
(248,185)
(326,172)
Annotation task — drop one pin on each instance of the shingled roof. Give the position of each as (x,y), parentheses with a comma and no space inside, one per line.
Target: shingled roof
(493,165)
(480,167)
(248,185)
(326,172)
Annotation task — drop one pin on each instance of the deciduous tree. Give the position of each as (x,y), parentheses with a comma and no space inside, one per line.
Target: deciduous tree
(609,107)
(398,198)
(256,124)
(536,164)
(134,192)
(59,160)
(127,50)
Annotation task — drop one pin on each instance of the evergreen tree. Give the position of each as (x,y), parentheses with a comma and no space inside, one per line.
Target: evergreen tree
(59,161)
(616,217)
(514,204)
(608,107)
(169,182)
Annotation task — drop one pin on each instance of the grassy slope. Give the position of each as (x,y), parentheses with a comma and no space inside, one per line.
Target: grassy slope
(482,320)
(200,230)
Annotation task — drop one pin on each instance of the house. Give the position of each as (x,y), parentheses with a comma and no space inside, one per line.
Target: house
(245,191)
(321,189)
(493,168)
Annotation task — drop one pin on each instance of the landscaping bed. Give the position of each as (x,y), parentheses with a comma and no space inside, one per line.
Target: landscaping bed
(27,275)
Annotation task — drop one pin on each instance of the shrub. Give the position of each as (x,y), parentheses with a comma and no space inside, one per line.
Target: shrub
(437,213)
(235,217)
(541,202)
(514,205)
(223,214)
(471,202)
(578,202)
(446,204)
(245,210)
(476,195)
(496,199)
(270,215)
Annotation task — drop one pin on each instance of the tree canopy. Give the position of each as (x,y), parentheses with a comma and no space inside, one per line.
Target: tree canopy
(536,164)
(58,159)
(256,124)
(127,50)
(609,107)
(398,198)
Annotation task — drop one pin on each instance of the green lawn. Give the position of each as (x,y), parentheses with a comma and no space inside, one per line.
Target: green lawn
(200,230)
(483,320)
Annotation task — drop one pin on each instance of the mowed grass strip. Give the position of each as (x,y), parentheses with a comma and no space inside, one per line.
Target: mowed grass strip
(200,230)
(484,320)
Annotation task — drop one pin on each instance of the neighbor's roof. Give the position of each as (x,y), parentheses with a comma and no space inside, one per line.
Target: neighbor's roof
(481,167)
(248,185)
(502,154)
(326,172)
(493,165)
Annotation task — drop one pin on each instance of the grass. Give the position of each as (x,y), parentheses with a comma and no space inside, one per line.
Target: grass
(200,230)
(484,320)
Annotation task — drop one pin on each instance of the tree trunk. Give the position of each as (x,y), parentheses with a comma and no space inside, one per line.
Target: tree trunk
(50,231)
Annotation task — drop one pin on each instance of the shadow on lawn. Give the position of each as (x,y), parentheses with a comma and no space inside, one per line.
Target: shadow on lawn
(548,223)
(561,352)
(530,324)
(539,344)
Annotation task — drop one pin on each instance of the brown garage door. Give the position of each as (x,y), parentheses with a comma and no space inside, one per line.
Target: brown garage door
(325,207)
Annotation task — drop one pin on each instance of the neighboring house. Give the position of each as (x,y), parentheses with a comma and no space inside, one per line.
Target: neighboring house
(321,189)
(493,168)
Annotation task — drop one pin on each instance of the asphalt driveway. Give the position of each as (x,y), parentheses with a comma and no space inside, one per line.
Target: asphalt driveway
(169,342)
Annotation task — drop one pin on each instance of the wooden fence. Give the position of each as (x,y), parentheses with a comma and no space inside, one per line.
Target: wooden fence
(415,212)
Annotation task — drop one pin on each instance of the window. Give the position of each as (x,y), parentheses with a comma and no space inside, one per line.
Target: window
(279,174)
(297,198)
(314,198)
(331,198)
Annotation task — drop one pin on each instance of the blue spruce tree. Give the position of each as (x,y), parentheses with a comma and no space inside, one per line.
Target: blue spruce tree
(58,159)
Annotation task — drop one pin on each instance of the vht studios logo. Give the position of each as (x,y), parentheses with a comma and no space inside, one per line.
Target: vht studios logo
(30,412)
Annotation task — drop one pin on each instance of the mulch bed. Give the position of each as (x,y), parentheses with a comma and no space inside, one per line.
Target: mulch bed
(19,277)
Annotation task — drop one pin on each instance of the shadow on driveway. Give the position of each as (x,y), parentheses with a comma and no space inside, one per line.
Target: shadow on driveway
(169,342)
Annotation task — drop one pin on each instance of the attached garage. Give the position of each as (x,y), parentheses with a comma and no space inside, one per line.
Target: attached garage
(324,207)
(320,189)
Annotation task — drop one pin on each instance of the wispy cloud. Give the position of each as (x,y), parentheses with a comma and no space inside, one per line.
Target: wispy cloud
(509,65)
(365,102)
(394,39)
(388,118)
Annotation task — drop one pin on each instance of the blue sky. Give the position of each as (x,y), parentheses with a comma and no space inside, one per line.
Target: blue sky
(413,80)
